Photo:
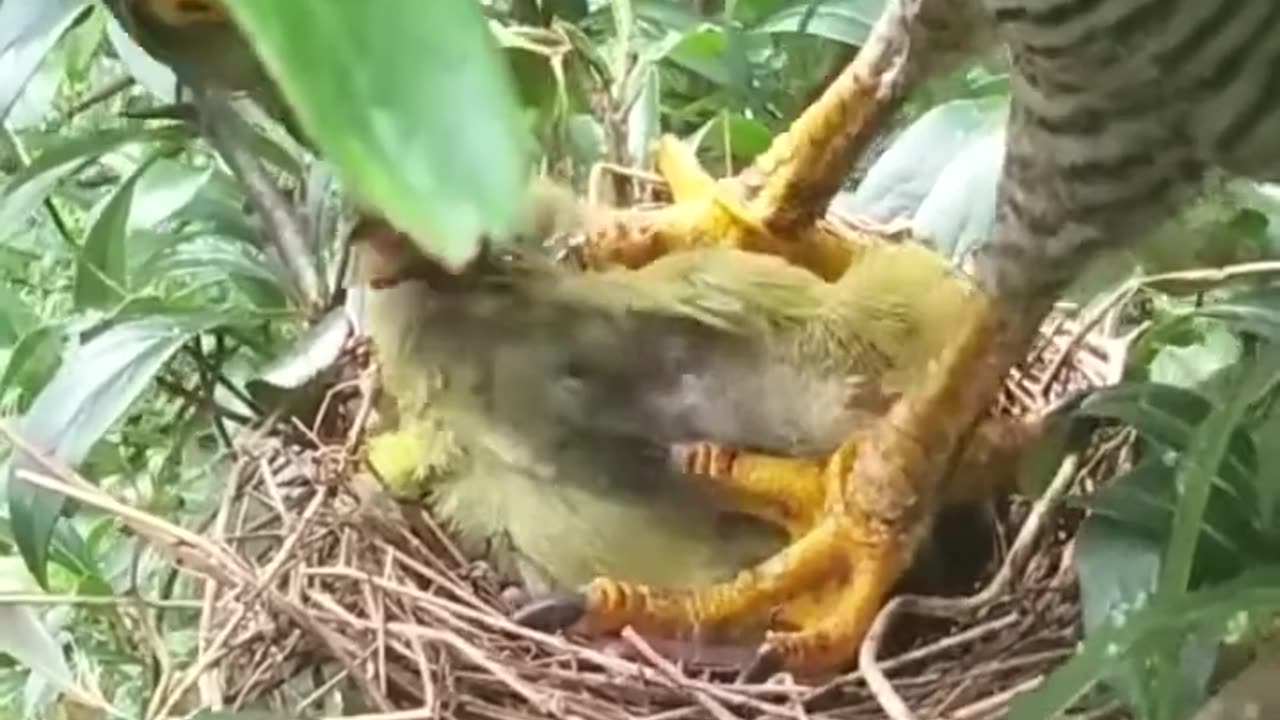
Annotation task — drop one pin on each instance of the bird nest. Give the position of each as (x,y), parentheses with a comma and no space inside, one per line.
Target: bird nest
(323,598)
(320,597)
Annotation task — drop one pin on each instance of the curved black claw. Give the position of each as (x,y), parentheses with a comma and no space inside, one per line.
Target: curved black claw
(556,612)
(767,663)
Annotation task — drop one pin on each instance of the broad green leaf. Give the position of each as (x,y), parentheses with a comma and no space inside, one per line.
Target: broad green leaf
(102,270)
(203,258)
(1118,568)
(300,378)
(412,105)
(28,31)
(90,391)
(33,361)
(1255,310)
(1143,501)
(163,191)
(16,317)
(958,213)
(675,16)
(703,52)
(317,350)
(1190,366)
(1206,451)
(68,549)
(1168,416)
(643,122)
(1207,611)
(219,210)
(26,639)
(901,179)
(24,192)
(730,134)
(845,21)
(1210,444)
(1266,436)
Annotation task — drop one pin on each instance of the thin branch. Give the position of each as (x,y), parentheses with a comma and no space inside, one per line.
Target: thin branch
(101,95)
(674,676)
(284,229)
(7,599)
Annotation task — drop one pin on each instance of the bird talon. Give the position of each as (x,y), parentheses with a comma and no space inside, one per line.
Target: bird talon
(768,661)
(554,613)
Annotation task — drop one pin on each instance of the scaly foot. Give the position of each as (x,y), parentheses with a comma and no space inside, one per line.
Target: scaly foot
(880,491)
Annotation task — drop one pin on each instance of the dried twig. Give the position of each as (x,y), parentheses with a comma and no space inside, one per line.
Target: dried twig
(958,608)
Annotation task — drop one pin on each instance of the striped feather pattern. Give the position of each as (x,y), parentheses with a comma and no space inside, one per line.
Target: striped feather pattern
(1119,109)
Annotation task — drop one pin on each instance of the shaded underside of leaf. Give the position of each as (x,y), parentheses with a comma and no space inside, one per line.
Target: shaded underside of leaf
(411,103)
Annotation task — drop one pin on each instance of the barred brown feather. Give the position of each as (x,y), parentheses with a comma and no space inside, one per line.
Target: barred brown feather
(1119,109)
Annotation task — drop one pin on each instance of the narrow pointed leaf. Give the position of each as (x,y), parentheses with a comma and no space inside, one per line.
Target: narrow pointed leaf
(91,390)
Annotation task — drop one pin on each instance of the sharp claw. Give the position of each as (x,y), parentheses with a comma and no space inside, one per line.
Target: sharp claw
(767,663)
(549,614)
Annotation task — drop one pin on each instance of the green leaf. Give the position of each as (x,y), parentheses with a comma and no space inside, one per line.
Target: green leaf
(1192,365)
(300,377)
(27,189)
(218,208)
(731,135)
(102,270)
(163,191)
(1158,634)
(1118,568)
(702,51)
(26,639)
(672,16)
(1168,416)
(1144,499)
(198,258)
(1266,435)
(949,146)
(28,31)
(90,391)
(1256,311)
(16,317)
(311,354)
(1206,611)
(845,21)
(411,103)
(643,123)
(1210,444)
(68,549)
(33,361)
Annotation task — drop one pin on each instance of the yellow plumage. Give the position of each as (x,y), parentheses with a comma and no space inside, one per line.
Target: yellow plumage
(537,406)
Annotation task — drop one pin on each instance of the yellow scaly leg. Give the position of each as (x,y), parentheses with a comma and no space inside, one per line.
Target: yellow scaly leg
(787,492)
(886,495)
(880,491)
(774,207)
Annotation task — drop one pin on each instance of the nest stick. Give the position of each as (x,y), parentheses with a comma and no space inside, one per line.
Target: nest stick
(881,687)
